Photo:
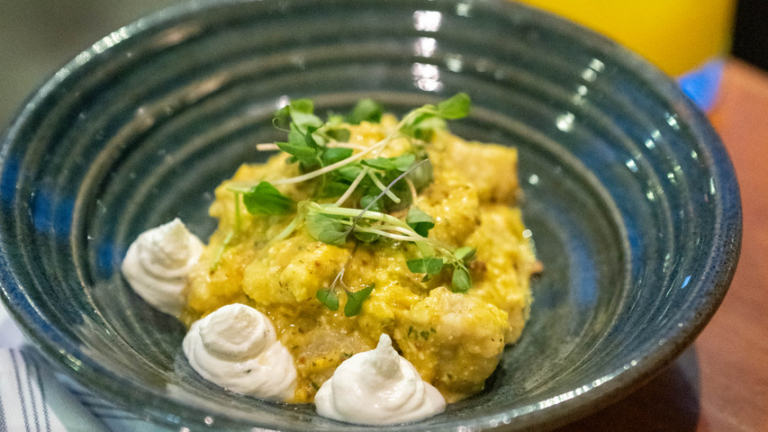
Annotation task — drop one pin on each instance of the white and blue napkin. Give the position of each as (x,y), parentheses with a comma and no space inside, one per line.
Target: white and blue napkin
(35,399)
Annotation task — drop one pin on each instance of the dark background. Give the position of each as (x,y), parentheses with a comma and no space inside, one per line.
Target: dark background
(750,38)
(37,37)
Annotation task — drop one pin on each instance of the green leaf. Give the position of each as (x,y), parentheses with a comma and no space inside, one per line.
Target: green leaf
(461,281)
(367,199)
(350,171)
(306,106)
(455,108)
(430,266)
(423,127)
(327,229)
(329,298)
(384,164)
(404,161)
(421,118)
(265,199)
(425,249)
(339,134)
(335,119)
(422,176)
(282,117)
(300,146)
(305,120)
(333,189)
(309,138)
(365,110)
(419,221)
(366,237)
(301,114)
(302,153)
(427,128)
(464,253)
(399,163)
(333,155)
(283,112)
(296,136)
(355,301)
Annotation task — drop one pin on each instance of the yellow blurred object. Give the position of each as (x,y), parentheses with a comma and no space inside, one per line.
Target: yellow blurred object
(676,35)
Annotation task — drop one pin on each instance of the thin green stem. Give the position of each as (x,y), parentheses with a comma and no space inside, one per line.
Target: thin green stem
(383,188)
(220,251)
(339,278)
(349,212)
(274,147)
(388,234)
(288,230)
(351,189)
(238,221)
(412,188)
(240,187)
(322,179)
(406,231)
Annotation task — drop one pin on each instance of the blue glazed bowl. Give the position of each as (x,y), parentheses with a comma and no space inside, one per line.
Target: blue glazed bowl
(630,196)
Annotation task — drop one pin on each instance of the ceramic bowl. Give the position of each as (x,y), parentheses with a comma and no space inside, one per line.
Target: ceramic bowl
(629,194)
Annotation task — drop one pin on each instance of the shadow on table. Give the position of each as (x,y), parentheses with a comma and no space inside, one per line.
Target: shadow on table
(670,402)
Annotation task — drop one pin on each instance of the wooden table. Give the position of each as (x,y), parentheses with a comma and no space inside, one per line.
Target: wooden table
(720,383)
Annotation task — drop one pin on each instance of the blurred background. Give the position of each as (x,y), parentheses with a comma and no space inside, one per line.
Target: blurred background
(685,38)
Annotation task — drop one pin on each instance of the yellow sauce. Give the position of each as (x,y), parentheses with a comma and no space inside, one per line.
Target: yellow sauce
(454,340)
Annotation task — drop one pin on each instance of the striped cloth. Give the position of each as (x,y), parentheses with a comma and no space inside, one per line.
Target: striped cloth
(35,399)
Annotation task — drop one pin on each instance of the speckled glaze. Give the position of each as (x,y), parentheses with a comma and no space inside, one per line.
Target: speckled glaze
(630,196)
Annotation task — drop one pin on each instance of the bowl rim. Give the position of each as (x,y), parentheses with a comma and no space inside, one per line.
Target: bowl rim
(720,265)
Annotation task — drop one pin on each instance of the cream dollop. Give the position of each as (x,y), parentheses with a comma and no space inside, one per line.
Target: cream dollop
(158,262)
(378,387)
(236,348)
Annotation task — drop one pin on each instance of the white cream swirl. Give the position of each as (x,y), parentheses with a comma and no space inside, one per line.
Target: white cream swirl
(378,387)
(236,348)
(158,262)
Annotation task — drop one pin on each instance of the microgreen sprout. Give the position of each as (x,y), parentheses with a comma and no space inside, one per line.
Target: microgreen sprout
(365,110)
(330,298)
(263,199)
(355,300)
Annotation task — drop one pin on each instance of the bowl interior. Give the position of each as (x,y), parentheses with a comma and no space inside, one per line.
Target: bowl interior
(629,195)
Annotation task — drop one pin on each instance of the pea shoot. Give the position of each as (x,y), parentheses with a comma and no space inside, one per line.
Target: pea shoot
(330,298)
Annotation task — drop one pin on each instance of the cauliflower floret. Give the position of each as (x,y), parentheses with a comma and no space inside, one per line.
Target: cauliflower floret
(454,341)
(490,168)
(503,265)
(385,306)
(209,290)
(453,204)
(292,270)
